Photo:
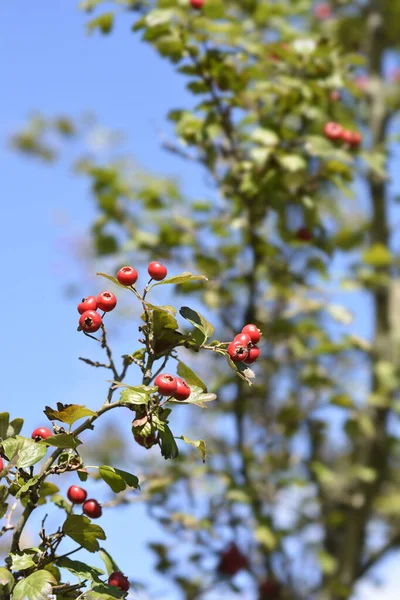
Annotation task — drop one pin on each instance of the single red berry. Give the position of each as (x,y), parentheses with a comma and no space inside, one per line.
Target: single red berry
(41,432)
(183,391)
(237,351)
(76,494)
(333,131)
(334,95)
(89,303)
(253,332)
(90,321)
(127,276)
(119,580)
(323,11)
(1,464)
(243,338)
(304,235)
(106,301)
(198,4)
(167,384)
(157,271)
(232,561)
(254,353)
(92,509)
(146,442)
(353,138)
(357,138)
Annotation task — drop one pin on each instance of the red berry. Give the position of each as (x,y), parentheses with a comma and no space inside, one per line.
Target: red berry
(304,235)
(253,332)
(243,338)
(157,271)
(198,4)
(237,352)
(92,509)
(90,321)
(106,301)
(89,303)
(333,131)
(334,95)
(127,276)
(254,353)
(1,464)
(146,442)
(76,494)
(41,432)
(167,384)
(323,11)
(353,138)
(119,580)
(183,391)
(232,561)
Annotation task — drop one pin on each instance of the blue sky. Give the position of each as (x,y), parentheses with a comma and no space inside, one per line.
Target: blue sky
(49,63)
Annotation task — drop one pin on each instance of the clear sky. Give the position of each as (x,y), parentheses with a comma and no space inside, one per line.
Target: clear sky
(48,63)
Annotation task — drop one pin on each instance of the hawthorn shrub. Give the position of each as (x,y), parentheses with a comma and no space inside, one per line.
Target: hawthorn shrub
(35,573)
(292,109)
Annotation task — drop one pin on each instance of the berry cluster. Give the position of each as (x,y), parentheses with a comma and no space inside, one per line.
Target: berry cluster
(244,348)
(335,132)
(90,320)
(91,507)
(128,275)
(168,385)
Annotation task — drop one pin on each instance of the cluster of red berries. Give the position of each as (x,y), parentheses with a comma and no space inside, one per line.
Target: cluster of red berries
(90,320)
(244,348)
(168,385)
(335,132)
(91,507)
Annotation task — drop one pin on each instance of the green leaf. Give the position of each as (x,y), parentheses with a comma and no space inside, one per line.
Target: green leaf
(28,484)
(14,427)
(62,440)
(200,444)
(4,421)
(190,377)
(378,255)
(113,280)
(197,320)
(292,162)
(69,414)
(21,561)
(110,564)
(117,479)
(101,591)
(182,278)
(23,451)
(197,397)
(37,586)
(48,489)
(104,23)
(61,502)
(134,396)
(265,536)
(79,569)
(6,582)
(169,449)
(83,532)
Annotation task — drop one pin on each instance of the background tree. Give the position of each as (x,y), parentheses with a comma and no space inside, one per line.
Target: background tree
(301,468)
